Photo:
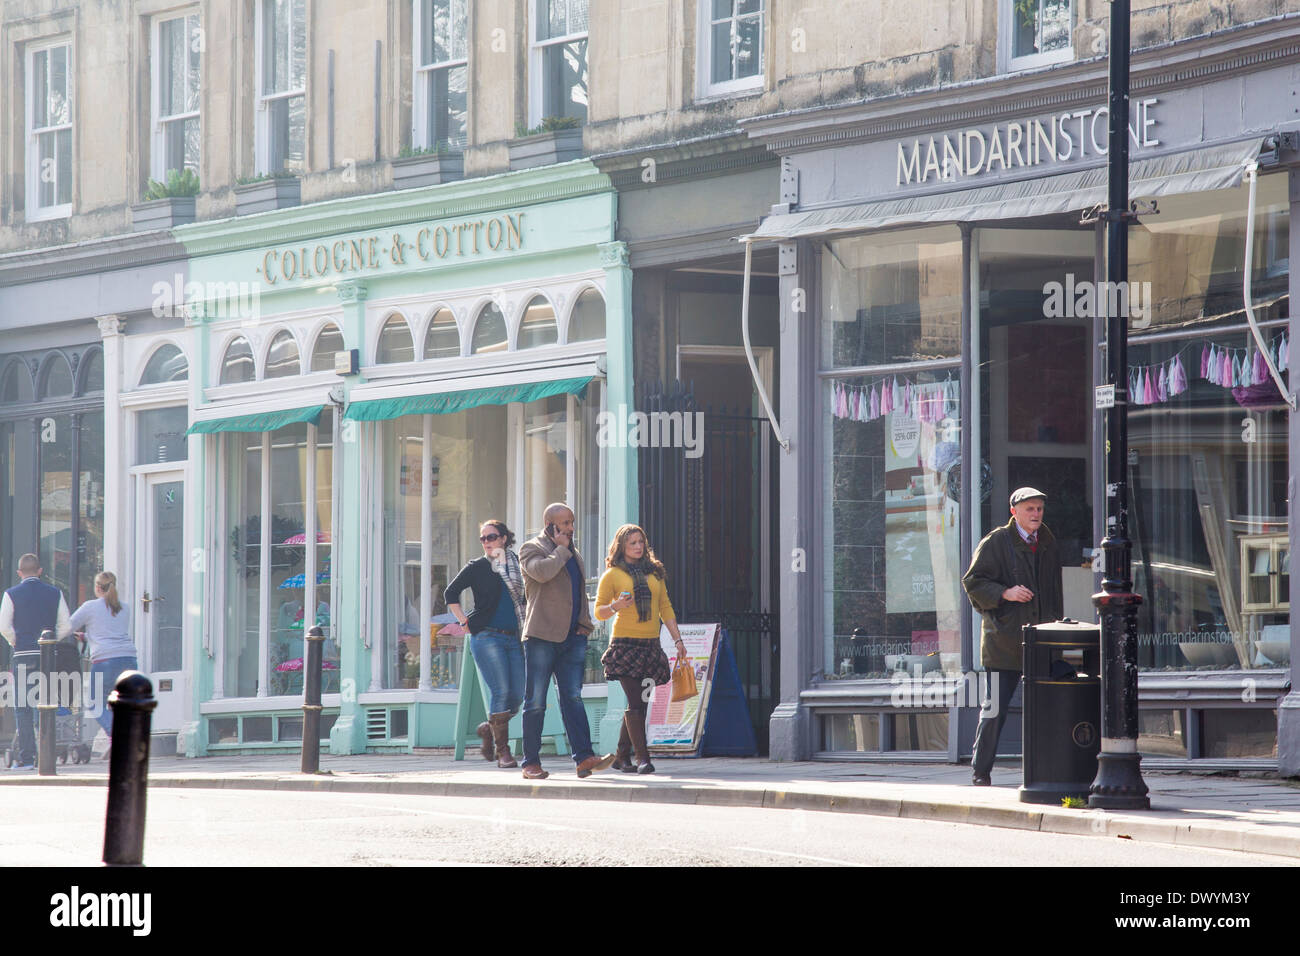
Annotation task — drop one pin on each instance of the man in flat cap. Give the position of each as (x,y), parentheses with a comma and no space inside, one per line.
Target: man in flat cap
(1014,580)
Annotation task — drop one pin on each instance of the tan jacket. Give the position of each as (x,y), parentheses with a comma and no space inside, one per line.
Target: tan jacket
(549,590)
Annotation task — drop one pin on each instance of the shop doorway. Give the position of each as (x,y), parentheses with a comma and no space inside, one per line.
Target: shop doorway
(159,608)
(1035,373)
(712,517)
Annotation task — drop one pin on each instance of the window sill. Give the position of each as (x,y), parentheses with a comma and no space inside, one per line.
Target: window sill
(49,213)
(716,93)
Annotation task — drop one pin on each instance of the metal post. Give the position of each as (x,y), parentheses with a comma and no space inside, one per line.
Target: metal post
(1119,784)
(311,681)
(133,702)
(47,709)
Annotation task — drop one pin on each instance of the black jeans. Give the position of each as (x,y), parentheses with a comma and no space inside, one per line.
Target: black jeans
(990,726)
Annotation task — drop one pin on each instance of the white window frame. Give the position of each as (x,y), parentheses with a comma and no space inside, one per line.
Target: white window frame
(1006,39)
(158,137)
(421,73)
(536,52)
(34,211)
(705,87)
(262,147)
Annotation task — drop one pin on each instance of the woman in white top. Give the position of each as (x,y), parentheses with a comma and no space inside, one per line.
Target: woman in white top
(107,627)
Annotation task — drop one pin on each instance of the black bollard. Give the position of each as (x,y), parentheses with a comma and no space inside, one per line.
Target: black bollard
(311,680)
(133,702)
(47,709)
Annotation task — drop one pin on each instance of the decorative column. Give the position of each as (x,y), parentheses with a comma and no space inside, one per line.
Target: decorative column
(351,559)
(204,621)
(1288,710)
(623,504)
(111,328)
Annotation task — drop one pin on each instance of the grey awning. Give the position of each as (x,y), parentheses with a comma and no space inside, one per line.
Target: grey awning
(1199,170)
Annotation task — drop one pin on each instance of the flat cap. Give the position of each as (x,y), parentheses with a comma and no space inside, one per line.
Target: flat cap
(1024,494)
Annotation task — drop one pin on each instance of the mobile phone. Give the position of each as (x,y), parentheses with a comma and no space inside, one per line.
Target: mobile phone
(549,531)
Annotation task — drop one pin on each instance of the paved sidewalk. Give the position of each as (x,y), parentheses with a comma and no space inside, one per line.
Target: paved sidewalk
(1251,814)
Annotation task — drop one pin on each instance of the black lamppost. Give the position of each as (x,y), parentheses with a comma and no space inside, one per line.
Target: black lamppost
(1119,784)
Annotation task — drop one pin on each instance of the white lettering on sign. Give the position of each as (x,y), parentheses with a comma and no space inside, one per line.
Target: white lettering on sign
(1019,144)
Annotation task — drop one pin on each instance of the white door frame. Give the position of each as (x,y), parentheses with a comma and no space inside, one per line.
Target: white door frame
(145,479)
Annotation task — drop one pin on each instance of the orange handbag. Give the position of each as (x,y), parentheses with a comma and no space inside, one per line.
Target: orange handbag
(684,681)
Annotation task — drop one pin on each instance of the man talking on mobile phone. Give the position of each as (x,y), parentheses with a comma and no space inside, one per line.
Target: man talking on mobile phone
(555,641)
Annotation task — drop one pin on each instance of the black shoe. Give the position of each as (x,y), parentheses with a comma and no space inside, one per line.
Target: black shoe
(980,780)
(646,767)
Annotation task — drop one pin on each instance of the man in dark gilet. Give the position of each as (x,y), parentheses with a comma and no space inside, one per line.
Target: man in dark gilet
(27,609)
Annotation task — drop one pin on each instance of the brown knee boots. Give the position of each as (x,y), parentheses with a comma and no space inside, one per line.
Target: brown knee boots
(623,755)
(635,724)
(501,737)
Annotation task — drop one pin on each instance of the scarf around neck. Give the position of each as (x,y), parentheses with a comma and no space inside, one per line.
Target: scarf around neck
(513,579)
(640,588)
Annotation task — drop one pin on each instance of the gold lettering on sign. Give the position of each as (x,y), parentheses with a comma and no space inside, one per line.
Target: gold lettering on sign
(341,256)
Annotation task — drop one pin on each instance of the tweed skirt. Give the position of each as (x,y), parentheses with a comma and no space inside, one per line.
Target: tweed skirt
(637,658)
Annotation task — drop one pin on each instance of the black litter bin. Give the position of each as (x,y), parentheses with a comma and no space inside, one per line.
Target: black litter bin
(1062,710)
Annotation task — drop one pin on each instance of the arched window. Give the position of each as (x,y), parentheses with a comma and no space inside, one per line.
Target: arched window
(538,326)
(58,378)
(443,338)
(490,331)
(588,319)
(238,365)
(167,364)
(16,385)
(92,372)
(395,343)
(328,342)
(282,356)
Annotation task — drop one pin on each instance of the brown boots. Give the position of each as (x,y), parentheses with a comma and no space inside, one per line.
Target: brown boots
(484,731)
(500,724)
(634,727)
(623,755)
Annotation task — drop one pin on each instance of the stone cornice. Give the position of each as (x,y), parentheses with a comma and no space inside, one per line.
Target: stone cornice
(379,210)
(681,161)
(1170,66)
(128,251)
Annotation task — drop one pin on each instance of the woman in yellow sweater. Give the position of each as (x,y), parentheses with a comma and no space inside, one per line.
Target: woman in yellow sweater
(634,589)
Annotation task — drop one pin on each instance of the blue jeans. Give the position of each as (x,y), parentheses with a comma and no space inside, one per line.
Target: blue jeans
(500,659)
(565,660)
(102,686)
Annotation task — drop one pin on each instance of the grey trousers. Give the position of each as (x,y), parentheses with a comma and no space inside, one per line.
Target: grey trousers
(990,725)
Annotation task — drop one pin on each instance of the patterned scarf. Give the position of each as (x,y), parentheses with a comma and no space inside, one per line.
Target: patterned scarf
(513,578)
(640,588)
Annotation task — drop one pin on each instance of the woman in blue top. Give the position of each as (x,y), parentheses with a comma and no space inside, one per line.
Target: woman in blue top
(497,584)
(106,625)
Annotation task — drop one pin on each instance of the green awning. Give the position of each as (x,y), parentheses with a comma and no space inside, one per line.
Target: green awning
(444,403)
(261,422)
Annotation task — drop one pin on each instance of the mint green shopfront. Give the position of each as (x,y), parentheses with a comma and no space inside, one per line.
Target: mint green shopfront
(479,328)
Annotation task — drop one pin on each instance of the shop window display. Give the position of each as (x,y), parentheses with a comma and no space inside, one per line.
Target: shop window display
(892,475)
(1208,437)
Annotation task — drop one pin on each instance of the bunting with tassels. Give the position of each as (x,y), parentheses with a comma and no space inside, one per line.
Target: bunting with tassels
(929,402)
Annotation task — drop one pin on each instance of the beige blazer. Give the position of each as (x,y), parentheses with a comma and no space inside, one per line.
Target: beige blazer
(549,591)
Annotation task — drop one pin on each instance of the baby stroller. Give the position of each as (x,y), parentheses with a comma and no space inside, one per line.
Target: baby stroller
(70,684)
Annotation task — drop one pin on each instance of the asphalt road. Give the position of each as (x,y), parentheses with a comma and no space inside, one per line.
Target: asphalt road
(42,826)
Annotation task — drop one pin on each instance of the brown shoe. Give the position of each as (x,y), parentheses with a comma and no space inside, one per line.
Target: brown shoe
(595,762)
(501,737)
(534,771)
(484,731)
